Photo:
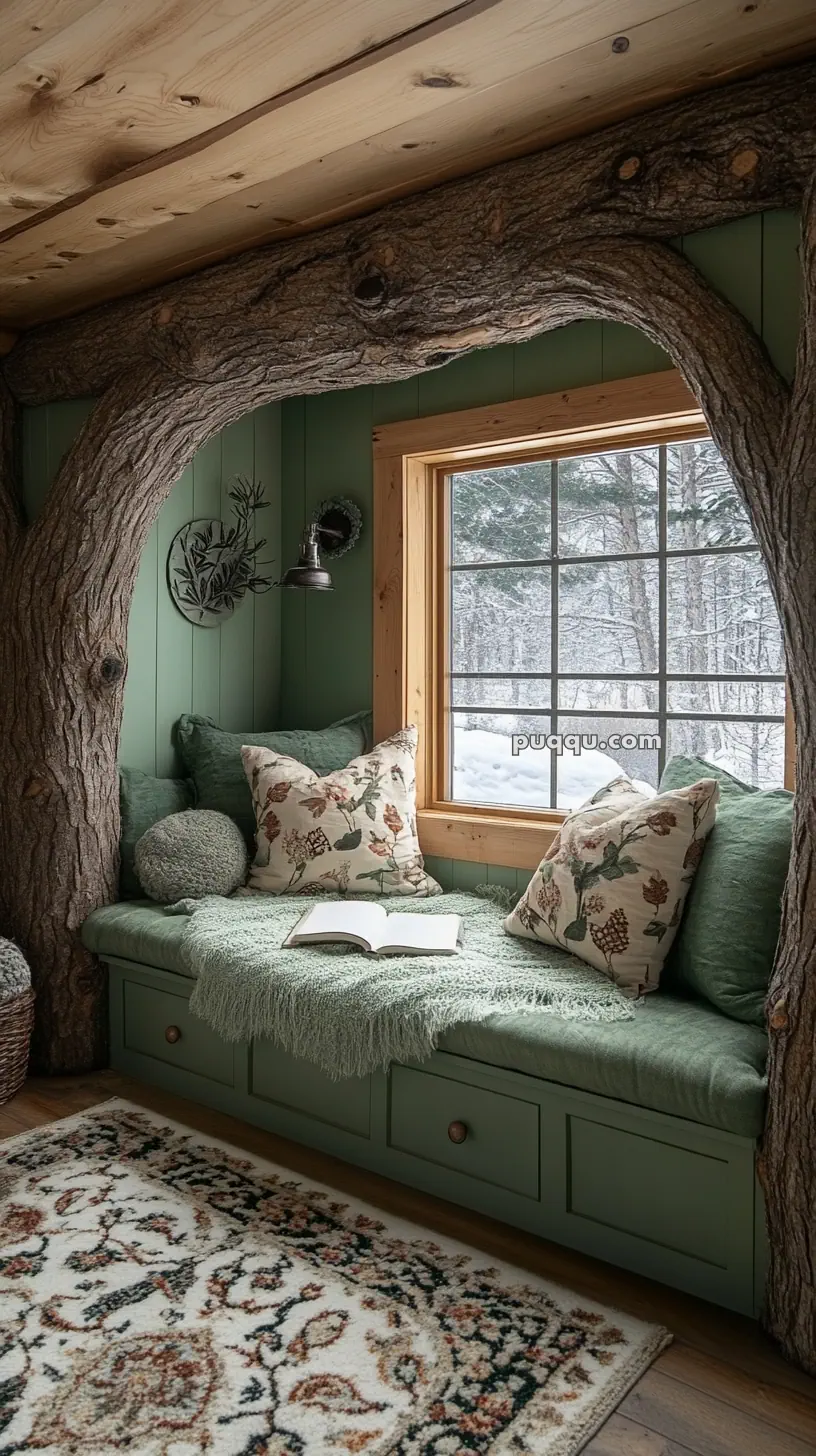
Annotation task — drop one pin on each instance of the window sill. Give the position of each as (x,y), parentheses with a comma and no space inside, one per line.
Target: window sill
(490,838)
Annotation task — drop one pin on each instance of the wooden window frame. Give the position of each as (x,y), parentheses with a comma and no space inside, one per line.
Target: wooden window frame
(410,603)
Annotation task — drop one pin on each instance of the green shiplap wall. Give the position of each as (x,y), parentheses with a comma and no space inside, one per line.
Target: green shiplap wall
(326,662)
(230,673)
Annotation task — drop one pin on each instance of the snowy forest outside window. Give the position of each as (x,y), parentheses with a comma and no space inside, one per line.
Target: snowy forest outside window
(618,596)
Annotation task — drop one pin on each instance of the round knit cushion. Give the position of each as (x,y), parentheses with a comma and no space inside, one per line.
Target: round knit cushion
(187,855)
(15,976)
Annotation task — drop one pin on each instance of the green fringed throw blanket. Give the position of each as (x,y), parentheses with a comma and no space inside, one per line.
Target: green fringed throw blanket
(352,1014)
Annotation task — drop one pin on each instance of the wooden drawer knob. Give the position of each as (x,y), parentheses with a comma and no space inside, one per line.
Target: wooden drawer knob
(172,1034)
(457,1132)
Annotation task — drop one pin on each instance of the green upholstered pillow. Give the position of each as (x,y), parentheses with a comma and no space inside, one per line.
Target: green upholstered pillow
(143,801)
(212,758)
(726,943)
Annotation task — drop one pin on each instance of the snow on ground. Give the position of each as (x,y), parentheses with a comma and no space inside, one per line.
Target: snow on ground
(485,771)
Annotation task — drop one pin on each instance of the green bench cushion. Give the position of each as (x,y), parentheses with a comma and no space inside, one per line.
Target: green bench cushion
(137,930)
(677,1056)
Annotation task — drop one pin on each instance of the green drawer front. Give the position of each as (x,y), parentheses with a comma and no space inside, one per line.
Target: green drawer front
(638,1185)
(148,1014)
(501,1143)
(291,1082)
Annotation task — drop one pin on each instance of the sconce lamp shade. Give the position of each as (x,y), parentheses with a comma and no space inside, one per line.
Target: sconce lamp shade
(308,575)
(334,529)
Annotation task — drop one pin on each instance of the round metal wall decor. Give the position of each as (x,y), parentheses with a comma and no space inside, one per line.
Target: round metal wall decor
(341,521)
(212,564)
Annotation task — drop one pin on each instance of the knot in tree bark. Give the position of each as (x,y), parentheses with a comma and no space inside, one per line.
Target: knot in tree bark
(372,289)
(744,162)
(629,168)
(110,671)
(496,223)
(778,1018)
(35,787)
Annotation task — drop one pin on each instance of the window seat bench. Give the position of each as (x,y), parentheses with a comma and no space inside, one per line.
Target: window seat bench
(633,1141)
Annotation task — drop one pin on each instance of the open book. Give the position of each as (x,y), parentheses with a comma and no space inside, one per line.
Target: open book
(365,923)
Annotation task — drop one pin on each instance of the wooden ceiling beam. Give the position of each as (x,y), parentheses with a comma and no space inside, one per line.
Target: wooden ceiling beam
(121,82)
(282,131)
(28,24)
(706,160)
(195,201)
(565,100)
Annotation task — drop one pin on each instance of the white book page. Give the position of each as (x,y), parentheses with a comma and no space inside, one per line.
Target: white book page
(364,919)
(423,932)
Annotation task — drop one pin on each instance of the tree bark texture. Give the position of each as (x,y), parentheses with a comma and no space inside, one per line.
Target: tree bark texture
(65,593)
(436,273)
(788,1164)
(577,232)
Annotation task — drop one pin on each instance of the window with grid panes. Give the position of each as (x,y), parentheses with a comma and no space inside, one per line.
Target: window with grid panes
(617,598)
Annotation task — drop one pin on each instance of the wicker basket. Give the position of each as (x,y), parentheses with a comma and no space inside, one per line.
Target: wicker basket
(16,1021)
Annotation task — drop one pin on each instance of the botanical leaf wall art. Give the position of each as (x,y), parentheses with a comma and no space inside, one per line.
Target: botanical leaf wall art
(212,564)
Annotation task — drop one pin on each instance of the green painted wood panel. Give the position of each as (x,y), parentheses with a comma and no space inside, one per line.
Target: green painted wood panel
(432,1163)
(561,359)
(502,876)
(641,1185)
(483,377)
(626,351)
(148,1013)
(238,632)
(501,1145)
(327,452)
(230,673)
(174,634)
(276,1076)
(781,288)
(36,479)
(137,744)
(466,875)
(523,878)
(65,420)
(294,654)
(463,875)
(48,431)
(399,401)
(441,869)
(266,672)
(730,259)
(207,470)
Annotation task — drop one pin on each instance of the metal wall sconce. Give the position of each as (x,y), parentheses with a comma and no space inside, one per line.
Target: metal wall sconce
(308,575)
(334,529)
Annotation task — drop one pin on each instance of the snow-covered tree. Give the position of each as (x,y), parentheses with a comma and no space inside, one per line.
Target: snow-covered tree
(601,523)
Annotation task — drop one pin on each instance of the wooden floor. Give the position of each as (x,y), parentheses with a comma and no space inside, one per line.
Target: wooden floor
(720,1390)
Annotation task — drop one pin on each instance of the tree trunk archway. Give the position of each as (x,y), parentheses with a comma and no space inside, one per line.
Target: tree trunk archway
(575,233)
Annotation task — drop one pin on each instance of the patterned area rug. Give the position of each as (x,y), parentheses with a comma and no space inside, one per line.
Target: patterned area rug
(166,1295)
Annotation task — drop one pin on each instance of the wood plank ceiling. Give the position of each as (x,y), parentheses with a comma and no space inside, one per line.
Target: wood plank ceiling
(142,139)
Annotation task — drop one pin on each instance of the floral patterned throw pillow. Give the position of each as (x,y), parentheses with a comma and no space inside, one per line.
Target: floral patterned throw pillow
(613,883)
(353,832)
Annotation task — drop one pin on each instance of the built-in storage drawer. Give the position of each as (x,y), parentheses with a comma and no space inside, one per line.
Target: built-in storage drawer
(487,1135)
(161,1025)
(631,1183)
(293,1083)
